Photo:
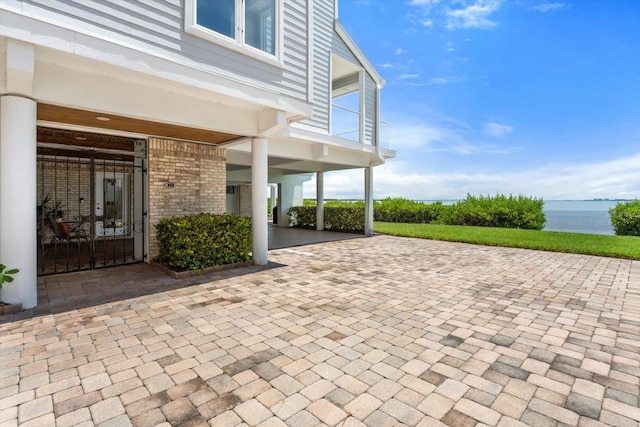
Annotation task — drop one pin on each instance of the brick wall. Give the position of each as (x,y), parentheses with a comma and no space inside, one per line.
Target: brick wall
(184,178)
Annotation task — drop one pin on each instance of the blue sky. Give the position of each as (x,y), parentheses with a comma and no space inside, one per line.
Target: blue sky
(530,97)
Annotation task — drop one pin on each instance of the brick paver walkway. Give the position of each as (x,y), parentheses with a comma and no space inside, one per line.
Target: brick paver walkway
(379,332)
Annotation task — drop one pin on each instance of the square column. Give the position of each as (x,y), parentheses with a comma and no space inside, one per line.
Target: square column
(368,201)
(259,218)
(320,201)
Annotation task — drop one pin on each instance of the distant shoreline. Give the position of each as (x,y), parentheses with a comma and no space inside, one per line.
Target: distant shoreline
(589,216)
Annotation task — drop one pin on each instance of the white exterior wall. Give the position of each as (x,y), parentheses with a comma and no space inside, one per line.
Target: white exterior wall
(289,194)
(323,19)
(157,27)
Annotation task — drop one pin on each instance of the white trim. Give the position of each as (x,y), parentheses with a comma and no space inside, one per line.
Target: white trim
(238,43)
(362,107)
(376,139)
(355,50)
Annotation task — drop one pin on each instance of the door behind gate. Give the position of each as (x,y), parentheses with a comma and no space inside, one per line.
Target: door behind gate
(90,209)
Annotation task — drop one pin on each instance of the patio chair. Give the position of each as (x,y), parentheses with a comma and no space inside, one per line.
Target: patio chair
(65,232)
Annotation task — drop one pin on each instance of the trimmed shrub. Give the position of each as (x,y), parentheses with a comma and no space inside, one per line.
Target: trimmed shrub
(499,211)
(347,219)
(303,216)
(194,242)
(625,218)
(408,211)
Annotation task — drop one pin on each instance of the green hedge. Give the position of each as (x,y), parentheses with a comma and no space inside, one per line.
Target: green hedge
(498,211)
(486,211)
(625,218)
(200,241)
(408,211)
(347,219)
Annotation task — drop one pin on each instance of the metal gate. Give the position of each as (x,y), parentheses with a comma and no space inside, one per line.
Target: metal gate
(91,208)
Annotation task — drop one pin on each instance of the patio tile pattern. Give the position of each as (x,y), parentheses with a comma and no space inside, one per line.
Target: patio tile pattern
(382,331)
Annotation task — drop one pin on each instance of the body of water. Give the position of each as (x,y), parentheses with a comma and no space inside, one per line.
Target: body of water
(574,216)
(579,216)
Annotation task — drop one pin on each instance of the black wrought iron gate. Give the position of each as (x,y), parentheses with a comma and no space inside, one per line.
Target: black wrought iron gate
(91,208)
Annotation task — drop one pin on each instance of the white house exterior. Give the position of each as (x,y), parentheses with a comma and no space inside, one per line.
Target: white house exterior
(170,104)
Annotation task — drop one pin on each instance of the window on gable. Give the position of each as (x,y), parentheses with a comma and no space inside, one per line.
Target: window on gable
(244,23)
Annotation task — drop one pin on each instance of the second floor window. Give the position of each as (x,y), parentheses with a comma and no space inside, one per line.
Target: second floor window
(245,22)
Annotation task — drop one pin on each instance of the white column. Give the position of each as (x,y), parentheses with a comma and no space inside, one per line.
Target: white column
(272,189)
(319,201)
(368,201)
(290,193)
(18,230)
(259,174)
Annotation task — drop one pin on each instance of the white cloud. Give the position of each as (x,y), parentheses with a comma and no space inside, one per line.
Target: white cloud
(453,14)
(424,2)
(439,81)
(386,65)
(400,51)
(496,129)
(424,136)
(608,179)
(476,15)
(409,80)
(550,7)
(446,80)
(435,133)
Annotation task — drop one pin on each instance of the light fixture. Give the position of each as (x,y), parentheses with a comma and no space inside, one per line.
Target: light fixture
(103,119)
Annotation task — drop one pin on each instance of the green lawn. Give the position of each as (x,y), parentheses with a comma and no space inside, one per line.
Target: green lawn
(590,244)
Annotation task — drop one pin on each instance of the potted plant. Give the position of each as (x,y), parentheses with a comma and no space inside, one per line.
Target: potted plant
(6,276)
(46,208)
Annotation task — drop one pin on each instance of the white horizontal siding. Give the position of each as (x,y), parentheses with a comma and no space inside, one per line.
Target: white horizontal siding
(370,119)
(157,27)
(339,48)
(323,18)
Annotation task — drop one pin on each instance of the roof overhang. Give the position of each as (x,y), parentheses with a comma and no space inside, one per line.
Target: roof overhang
(360,56)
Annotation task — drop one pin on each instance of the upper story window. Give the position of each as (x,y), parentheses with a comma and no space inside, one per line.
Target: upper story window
(249,26)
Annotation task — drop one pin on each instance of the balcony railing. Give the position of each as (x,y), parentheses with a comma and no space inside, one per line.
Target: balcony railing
(345,123)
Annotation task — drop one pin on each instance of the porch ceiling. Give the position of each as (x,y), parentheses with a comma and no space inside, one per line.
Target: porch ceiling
(65,115)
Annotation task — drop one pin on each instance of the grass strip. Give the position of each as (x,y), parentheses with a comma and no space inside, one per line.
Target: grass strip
(589,244)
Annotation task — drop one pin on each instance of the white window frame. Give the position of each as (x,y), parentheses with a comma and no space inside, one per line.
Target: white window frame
(237,44)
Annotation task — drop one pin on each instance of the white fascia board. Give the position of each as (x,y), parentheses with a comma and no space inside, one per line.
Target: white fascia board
(303,157)
(385,153)
(360,56)
(308,133)
(32,30)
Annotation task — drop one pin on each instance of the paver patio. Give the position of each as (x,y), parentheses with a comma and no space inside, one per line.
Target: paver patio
(382,331)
